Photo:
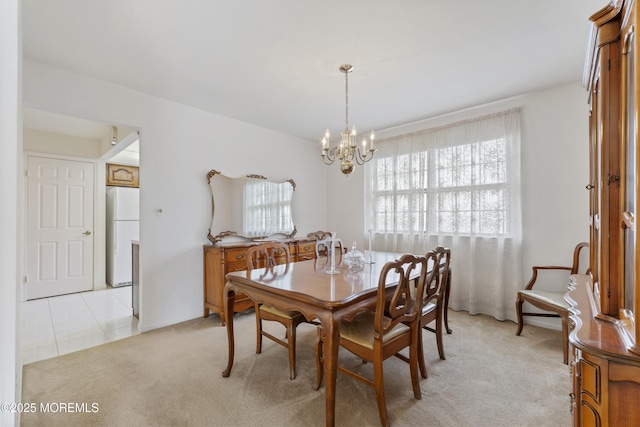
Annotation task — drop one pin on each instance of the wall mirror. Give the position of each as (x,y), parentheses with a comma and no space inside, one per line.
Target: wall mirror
(250,208)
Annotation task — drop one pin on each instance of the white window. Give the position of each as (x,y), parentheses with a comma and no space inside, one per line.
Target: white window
(465,186)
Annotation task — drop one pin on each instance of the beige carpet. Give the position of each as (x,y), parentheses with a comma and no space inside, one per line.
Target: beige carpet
(172,377)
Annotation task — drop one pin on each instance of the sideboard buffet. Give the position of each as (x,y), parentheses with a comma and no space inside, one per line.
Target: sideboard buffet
(603,332)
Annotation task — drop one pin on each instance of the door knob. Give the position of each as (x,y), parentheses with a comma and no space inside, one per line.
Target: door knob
(86,233)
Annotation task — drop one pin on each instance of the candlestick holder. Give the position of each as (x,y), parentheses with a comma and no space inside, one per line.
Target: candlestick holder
(332,254)
(369,259)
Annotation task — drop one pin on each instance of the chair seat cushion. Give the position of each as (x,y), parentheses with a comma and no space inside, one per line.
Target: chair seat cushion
(276,312)
(360,330)
(429,307)
(555,299)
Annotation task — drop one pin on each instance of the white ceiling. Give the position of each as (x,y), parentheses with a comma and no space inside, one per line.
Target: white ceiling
(275,63)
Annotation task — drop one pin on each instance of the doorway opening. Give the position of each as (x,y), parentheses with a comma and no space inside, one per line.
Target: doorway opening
(99,313)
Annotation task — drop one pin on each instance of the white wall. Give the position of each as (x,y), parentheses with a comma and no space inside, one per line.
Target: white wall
(555,171)
(178,146)
(55,143)
(10,245)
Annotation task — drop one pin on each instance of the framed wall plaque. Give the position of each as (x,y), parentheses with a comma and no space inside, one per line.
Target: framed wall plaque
(122,175)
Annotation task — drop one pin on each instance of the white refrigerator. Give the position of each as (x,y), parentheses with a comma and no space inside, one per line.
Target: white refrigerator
(122,219)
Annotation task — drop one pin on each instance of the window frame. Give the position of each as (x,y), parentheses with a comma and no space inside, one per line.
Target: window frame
(433,189)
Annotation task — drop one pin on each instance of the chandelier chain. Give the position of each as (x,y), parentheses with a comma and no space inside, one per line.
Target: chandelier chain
(346,100)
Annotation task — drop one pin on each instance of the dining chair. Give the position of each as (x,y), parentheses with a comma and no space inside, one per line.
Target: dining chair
(323,247)
(392,326)
(548,295)
(270,254)
(433,304)
(319,235)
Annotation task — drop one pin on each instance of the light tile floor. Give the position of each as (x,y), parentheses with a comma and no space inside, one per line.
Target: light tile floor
(63,324)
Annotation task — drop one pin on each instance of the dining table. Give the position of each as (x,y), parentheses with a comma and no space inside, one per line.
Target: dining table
(308,287)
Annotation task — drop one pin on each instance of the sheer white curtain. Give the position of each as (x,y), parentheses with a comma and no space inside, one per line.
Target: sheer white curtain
(456,186)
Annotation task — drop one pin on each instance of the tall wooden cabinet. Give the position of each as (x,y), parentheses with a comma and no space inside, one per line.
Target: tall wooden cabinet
(604,334)
(222,258)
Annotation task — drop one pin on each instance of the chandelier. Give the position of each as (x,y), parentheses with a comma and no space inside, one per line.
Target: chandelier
(347,150)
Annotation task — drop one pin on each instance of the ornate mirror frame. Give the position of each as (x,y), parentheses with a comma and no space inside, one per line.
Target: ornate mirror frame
(228,192)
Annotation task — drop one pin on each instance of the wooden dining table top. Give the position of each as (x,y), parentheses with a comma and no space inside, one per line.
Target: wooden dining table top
(310,282)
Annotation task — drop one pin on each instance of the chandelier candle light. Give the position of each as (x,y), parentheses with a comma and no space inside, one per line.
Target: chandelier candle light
(348,150)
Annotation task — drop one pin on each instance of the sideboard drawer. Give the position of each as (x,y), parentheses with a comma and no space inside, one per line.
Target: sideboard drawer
(233,255)
(236,266)
(306,250)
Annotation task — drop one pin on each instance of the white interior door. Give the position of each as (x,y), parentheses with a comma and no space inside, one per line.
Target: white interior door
(59,227)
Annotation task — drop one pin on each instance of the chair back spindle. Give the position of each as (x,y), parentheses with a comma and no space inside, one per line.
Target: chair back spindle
(269,253)
(400,307)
